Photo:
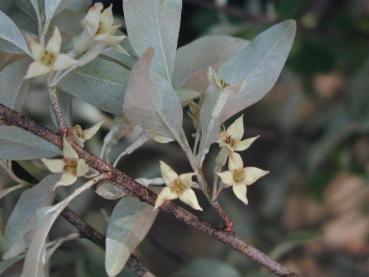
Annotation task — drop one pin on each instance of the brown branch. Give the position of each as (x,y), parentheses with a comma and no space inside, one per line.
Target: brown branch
(96,237)
(129,185)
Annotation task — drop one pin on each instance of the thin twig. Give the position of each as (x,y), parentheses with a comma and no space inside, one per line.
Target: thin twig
(57,110)
(133,188)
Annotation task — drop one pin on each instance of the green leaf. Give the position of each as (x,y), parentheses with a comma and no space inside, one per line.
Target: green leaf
(152,103)
(11,38)
(14,88)
(128,225)
(194,59)
(154,23)
(23,218)
(258,65)
(18,144)
(100,83)
(207,267)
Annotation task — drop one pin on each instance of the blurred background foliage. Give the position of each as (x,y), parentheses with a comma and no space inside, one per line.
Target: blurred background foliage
(312,211)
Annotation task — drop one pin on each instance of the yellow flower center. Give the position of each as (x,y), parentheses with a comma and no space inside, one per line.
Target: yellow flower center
(230,141)
(238,175)
(223,84)
(178,187)
(78,132)
(70,166)
(48,58)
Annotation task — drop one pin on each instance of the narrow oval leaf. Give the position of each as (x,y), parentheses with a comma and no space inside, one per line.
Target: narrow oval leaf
(50,8)
(194,59)
(23,218)
(128,225)
(11,38)
(100,83)
(18,144)
(152,103)
(258,65)
(13,89)
(36,257)
(154,23)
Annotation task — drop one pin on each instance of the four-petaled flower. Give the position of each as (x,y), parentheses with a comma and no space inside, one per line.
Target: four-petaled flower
(71,166)
(239,177)
(47,59)
(81,135)
(177,187)
(231,138)
(99,24)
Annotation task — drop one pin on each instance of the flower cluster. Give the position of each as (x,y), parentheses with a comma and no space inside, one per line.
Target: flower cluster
(237,176)
(98,33)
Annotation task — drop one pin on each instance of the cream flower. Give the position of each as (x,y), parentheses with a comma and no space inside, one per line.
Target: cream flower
(99,24)
(81,135)
(49,58)
(71,166)
(239,177)
(177,187)
(221,84)
(231,138)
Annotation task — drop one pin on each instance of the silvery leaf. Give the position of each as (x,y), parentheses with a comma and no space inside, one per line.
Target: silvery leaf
(23,218)
(258,65)
(109,191)
(13,88)
(186,95)
(194,59)
(152,103)
(18,144)
(154,23)
(35,261)
(100,83)
(128,225)
(11,38)
(9,190)
(50,8)
(210,121)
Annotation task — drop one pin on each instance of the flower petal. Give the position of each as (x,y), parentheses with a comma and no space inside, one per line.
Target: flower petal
(37,69)
(235,161)
(213,78)
(226,177)
(240,192)
(55,42)
(245,144)
(189,197)
(164,195)
(253,174)
(168,174)
(68,150)
(36,49)
(92,19)
(236,130)
(63,61)
(106,18)
(90,132)
(82,168)
(66,180)
(54,165)
(186,179)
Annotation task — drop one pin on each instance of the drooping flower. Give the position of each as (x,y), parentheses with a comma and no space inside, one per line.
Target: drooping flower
(99,24)
(239,177)
(71,166)
(49,58)
(81,135)
(231,138)
(178,186)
